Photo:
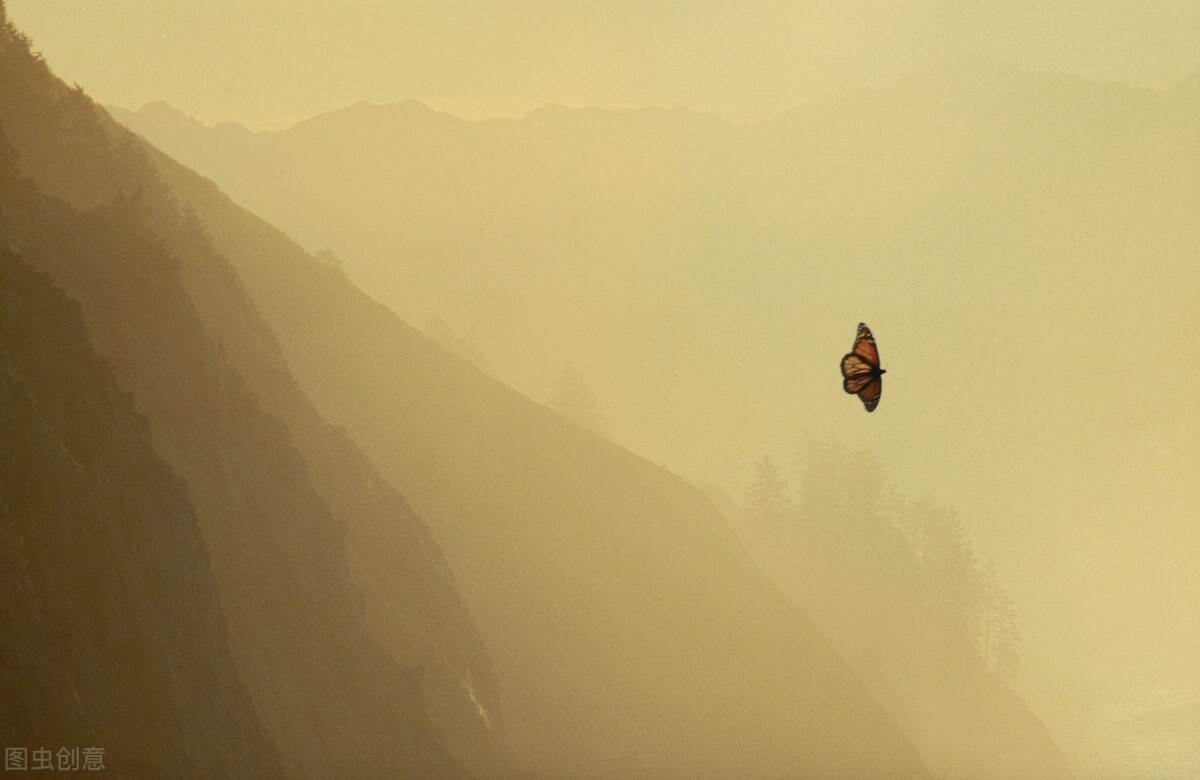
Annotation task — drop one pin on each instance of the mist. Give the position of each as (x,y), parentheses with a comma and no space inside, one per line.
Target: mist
(293,59)
(572,283)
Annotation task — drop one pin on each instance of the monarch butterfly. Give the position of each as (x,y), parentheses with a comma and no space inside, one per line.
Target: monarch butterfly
(861,374)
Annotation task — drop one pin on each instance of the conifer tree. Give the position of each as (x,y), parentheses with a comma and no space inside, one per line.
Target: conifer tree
(766,497)
(998,637)
(467,344)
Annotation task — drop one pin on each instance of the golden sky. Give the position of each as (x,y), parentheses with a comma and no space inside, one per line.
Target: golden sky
(268,62)
(1027,296)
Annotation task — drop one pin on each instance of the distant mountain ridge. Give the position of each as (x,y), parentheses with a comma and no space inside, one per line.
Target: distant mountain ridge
(549,602)
(620,540)
(634,635)
(349,660)
(966,209)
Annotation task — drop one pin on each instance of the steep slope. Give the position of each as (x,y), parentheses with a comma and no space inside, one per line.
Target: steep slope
(201,147)
(979,189)
(631,635)
(980,216)
(110,632)
(307,645)
(907,615)
(334,703)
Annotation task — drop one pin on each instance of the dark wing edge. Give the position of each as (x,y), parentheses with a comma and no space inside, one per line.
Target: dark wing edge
(871,392)
(864,345)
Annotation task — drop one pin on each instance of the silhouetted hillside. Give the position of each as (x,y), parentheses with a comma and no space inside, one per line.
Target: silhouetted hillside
(337,642)
(976,188)
(112,637)
(1022,242)
(895,585)
(630,633)
(633,635)
(202,147)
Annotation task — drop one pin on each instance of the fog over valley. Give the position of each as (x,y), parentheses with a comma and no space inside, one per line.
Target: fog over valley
(452,391)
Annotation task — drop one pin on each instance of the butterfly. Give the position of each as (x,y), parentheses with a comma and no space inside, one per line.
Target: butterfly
(861,374)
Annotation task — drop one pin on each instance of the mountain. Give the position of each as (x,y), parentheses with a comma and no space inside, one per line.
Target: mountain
(628,631)
(204,147)
(911,619)
(159,117)
(342,618)
(977,186)
(1021,242)
(112,634)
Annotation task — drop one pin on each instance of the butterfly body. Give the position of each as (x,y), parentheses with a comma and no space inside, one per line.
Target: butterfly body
(861,373)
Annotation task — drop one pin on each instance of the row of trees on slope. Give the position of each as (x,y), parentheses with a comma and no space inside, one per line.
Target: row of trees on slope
(847,494)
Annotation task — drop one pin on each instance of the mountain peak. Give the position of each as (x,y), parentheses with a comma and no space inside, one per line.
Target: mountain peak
(162,110)
(971,72)
(402,112)
(157,115)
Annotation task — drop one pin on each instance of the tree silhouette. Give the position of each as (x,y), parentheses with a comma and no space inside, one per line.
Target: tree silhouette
(949,564)
(998,635)
(841,486)
(466,344)
(766,497)
(845,499)
(327,257)
(911,517)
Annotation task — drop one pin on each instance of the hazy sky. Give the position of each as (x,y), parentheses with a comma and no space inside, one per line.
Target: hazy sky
(266,62)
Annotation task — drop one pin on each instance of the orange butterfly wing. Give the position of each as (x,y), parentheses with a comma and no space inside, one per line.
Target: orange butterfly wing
(870,393)
(855,384)
(864,345)
(861,374)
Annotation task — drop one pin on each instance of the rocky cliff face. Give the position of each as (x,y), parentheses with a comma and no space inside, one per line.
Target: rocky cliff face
(112,636)
(336,702)
(630,633)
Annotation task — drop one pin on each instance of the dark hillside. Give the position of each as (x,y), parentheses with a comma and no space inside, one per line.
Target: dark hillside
(111,632)
(895,585)
(335,701)
(630,633)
